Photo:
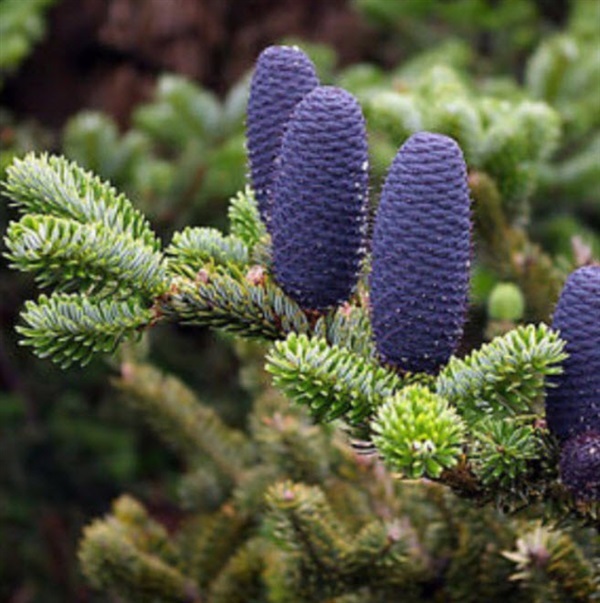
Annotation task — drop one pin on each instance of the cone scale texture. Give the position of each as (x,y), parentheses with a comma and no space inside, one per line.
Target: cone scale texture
(573,405)
(580,465)
(421,255)
(282,77)
(318,218)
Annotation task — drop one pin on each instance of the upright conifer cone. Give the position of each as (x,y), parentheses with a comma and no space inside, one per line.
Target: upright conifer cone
(421,255)
(573,405)
(282,77)
(318,217)
(580,465)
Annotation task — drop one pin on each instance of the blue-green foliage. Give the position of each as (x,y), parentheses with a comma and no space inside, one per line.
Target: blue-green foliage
(504,377)
(73,328)
(54,186)
(331,381)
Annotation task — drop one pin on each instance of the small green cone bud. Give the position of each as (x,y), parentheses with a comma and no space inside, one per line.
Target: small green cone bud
(506,302)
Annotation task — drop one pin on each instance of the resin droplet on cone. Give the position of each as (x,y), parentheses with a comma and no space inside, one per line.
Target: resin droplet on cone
(421,255)
(318,219)
(282,77)
(573,403)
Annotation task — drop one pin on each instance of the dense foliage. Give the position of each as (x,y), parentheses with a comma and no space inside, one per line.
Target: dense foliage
(333,524)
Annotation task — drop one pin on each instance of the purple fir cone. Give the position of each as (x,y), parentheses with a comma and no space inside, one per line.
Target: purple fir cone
(318,219)
(421,255)
(580,465)
(282,77)
(573,404)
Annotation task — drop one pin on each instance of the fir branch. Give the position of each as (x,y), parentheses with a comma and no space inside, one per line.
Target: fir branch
(505,377)
(382,552)
(216,542)
(113,561)
(329,561)
(143,531)
(348,327)
(244,218)
(303,522)
(229,300)
(181,112)
(249,494)
(67,254)
(540,129)
(51,185)
(193,248)
(551,565)
(262,253)
(503,449)
(331,381)
(505,159)
(459,118)
(396,114)
(294,441)
(475,570)
(190,428)
(201,490)
(92,139)
(72,328)
(241,580)
(22,25)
